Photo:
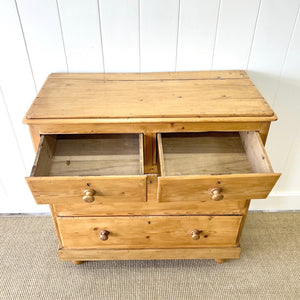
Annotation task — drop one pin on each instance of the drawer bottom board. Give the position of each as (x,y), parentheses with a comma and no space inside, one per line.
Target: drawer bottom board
(140,232)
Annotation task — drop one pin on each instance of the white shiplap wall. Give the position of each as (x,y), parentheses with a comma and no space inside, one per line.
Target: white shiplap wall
(41,37)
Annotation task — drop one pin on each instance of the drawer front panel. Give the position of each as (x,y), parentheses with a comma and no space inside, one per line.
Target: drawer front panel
(233,187)
(200,207)
(148,232)
(213,165)
(71,190)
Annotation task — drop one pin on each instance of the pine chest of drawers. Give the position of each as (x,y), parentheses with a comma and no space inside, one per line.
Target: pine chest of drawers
(149,166)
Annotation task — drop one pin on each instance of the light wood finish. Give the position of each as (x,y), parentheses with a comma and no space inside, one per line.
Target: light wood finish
(161,157)
(104,235)
(208,191)
(196,234)
(89,155)
(190,163)
(216,194)
(35,136)
(212,153)
(94,96)
(133,254)
(53,214)
(148,232)
(88,195)
(141,153)
(69,190)
(264,130)
(150,152)
(218,75)
(151,207)
(245,213)
(150,127)
(256,152)
(44,154)
(197,187)
(220,260)
(77,262)
(65,168)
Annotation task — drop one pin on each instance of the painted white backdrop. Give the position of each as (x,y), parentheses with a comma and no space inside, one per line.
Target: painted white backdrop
(40,37)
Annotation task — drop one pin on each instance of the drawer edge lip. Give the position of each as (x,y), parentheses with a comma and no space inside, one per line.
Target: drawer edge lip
(150,254)
(44,178)
(214,176)
(151,215)
(243,119)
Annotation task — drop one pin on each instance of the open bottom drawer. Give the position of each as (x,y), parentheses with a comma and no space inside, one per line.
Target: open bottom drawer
(213,165)
(89,169)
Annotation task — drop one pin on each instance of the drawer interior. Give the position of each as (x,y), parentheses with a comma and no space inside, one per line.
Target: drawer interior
(89,155)
(212,153)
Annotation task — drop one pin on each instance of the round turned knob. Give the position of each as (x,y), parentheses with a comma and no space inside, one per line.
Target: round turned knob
(216,194)
(89,195)
(196,234)
(104,235)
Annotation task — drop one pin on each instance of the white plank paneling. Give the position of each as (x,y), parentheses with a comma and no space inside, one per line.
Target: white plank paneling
(234,34)
(148,35)
(2,197)
(159,28)
(284,141)
(277,202)
(273,31)
(40,21)
(290,180)
(196,36)
(120,35)
(81,33)
(16,77)
(17,197)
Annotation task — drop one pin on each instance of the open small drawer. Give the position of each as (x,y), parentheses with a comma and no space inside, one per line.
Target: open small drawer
(213,165)
(89,168)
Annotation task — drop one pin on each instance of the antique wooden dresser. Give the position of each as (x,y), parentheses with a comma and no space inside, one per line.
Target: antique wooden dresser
(151,165)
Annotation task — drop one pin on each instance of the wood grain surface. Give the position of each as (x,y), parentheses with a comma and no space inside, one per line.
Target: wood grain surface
(202,94)
(148,232)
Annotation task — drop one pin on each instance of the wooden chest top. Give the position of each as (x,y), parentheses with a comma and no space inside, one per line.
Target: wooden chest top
(205,94)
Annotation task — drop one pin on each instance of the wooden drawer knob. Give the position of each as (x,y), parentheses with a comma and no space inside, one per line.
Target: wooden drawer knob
(196,234)
(104,235)
(89,195)
(216,194)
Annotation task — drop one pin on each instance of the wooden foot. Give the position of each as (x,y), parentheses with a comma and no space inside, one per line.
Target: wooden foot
(220,260)
(77,262)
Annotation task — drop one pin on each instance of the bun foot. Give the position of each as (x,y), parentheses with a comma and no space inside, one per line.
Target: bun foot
(220,260)
(77,262)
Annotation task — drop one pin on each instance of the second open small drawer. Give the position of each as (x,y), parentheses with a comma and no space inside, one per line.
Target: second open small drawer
(213,165)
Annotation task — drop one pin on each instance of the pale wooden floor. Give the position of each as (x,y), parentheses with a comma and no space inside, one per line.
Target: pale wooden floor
(269,267)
